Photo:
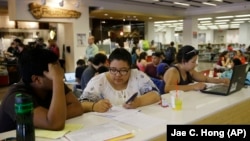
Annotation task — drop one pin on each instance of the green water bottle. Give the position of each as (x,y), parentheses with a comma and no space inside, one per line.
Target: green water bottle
(24,118)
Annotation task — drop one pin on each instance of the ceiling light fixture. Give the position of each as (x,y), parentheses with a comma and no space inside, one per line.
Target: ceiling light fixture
(243,19)
(208,18)
(221,20)
(224,17)
(205,21)
(236,22)
(220,23)
(219,0)
(207,3)
(173,21)
(180,3)
(241,16)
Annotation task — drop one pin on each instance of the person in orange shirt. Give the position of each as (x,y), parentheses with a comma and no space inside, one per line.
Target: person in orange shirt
(240,56)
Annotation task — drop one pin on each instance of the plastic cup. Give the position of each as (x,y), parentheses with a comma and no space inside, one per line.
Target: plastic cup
(176,99)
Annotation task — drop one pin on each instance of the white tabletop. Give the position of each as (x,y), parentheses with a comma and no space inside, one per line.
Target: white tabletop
(196,105)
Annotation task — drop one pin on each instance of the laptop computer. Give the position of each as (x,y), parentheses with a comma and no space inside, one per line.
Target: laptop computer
(236,83)
(70,77)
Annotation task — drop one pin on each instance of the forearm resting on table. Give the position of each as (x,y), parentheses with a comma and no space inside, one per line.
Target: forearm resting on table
(149,98)
(180,87)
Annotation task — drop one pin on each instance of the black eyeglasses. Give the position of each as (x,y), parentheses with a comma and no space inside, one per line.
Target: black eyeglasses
(114,71)
(193,51)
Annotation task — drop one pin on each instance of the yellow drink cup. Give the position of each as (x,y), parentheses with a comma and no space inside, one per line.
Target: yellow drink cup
(176,99)
(178,104)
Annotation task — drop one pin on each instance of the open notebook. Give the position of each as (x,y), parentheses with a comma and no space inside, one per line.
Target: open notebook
(236,83)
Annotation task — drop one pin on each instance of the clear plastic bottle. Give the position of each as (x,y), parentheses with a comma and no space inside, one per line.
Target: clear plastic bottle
(24,118)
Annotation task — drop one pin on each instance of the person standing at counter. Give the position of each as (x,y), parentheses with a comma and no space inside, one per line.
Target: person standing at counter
(42,79)
(184,74)
(117,85)
(92,48)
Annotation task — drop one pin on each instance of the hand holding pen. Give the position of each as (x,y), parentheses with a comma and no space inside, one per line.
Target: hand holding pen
(132,102)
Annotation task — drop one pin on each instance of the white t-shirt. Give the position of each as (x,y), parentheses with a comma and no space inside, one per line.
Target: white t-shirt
(100,88)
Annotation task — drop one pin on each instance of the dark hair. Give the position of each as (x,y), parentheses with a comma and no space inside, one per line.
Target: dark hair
(80,62)
(157,54)
(186,53)
(121,54)
(134,50)
(237,61)
(172,43)
(91,59)
(35,61)
(99,58)
(18,41)
(223,53)
(143,55)
(102,69)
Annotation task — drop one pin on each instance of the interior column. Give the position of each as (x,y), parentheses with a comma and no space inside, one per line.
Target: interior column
(190,32)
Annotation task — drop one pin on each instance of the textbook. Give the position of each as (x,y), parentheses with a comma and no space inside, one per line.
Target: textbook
(105,132)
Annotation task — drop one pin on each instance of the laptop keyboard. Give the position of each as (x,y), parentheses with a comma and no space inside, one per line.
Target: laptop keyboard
(219,88)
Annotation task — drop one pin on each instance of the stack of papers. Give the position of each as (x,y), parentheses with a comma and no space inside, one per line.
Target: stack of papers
(132,117)
(103,132)
(57,134)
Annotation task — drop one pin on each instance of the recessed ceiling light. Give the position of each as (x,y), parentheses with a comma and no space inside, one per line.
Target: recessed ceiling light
(111,17)
(223,17)
(208,18)
(159,22)
(243,19)
(219,0)
(207,3)
(205,21)
(221,20)
(173,21)
(180,3)
(207,24)
(240,16)
(150,18)
(220,23)
(235,22)
(105,14)
(213,27)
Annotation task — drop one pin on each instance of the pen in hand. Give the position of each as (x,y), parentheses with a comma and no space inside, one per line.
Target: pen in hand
(131,98)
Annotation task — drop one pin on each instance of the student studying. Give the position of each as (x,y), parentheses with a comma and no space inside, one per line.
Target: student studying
(42,79)
(117,85)
(183,73)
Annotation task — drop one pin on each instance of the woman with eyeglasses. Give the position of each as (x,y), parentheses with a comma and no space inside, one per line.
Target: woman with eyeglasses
(117,85)
(184,74)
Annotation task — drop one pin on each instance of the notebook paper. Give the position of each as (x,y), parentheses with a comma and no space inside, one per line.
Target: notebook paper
(57,134)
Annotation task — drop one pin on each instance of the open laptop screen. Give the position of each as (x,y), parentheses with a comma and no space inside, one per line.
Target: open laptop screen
(70,77)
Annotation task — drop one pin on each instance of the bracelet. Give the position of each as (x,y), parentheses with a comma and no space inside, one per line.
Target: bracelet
(92,109)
